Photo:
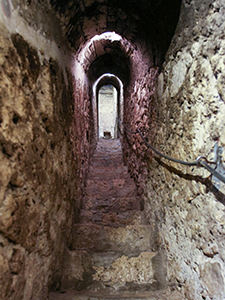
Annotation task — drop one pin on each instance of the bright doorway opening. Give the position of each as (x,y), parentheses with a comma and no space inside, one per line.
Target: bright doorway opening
(108,112)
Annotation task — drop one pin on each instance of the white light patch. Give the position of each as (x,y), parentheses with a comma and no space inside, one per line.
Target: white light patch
(82,57)
(111,36)
(110,77)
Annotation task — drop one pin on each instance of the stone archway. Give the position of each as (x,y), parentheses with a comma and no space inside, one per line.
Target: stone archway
(117,83)
(173,78)
(107,112)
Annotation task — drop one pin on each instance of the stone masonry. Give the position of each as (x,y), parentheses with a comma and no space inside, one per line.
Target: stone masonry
(151,229)
(112,252)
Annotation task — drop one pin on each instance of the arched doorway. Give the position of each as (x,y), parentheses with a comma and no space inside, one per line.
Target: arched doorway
(107,104)
(107,112)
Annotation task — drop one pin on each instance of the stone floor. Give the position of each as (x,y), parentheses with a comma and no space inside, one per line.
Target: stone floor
(111,254)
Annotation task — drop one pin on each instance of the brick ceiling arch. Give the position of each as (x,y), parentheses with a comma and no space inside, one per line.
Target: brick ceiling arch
(136,20)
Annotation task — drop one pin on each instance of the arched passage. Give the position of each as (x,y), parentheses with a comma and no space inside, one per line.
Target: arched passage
(52,149)
(107,112)
(45,158)
(117,83)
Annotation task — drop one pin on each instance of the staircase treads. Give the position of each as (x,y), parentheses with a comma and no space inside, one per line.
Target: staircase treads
(104,162)
(120,186)
(103,175)
(106,182)
(113,171)
(111,192)
(106,216)
(156,295)
(110,255)
(110,203)
(128,238)
(110,271)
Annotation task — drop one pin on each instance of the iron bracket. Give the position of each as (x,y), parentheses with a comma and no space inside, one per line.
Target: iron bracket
(218,159)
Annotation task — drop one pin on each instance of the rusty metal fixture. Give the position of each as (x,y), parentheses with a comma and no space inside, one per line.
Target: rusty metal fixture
(218,172)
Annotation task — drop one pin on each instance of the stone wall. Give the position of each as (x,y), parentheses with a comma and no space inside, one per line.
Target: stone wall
(46,129)
(139,113)
(181,202)
(82,132)
(40,177)
(191,120)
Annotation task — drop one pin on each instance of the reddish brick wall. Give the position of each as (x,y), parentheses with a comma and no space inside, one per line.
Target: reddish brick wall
(139,113)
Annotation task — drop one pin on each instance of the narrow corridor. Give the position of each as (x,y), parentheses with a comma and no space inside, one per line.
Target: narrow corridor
(112,239)
(116,221)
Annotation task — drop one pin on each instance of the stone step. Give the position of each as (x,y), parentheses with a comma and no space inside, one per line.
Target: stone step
(108,151)
(104,162)
(107,204)
(108,146)
(107,216)
(101,175)
(108,172)
(91,193)
(124,239)
(104,191)
(107,156)
(120,187)
(109,271)
(165,294)
(114,182)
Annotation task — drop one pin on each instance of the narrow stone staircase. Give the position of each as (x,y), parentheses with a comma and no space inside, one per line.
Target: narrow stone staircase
(111,253)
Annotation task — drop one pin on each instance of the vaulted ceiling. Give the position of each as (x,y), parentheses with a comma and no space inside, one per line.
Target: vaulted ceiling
(152,21)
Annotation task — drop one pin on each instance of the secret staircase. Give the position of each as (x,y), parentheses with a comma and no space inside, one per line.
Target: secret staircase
(111,254)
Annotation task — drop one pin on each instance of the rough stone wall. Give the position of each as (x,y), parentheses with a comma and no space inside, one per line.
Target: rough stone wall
(139,113)
(40,179)
(186,115)
(186,208)
(81,132)
(37,185)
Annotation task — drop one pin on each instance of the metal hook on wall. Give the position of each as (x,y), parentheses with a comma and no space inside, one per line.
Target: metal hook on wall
(220,168)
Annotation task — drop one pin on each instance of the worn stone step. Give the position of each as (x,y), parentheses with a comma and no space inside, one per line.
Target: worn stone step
(112,145)
(110,203)
(108,172)
(91,193)
(105,191)
(165,294)
(124,181)
(110,271)
(109,175)
(98,158)
(107,204)
(108,151)
(124,239)
(106,162)
(107,216)
(108,154)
